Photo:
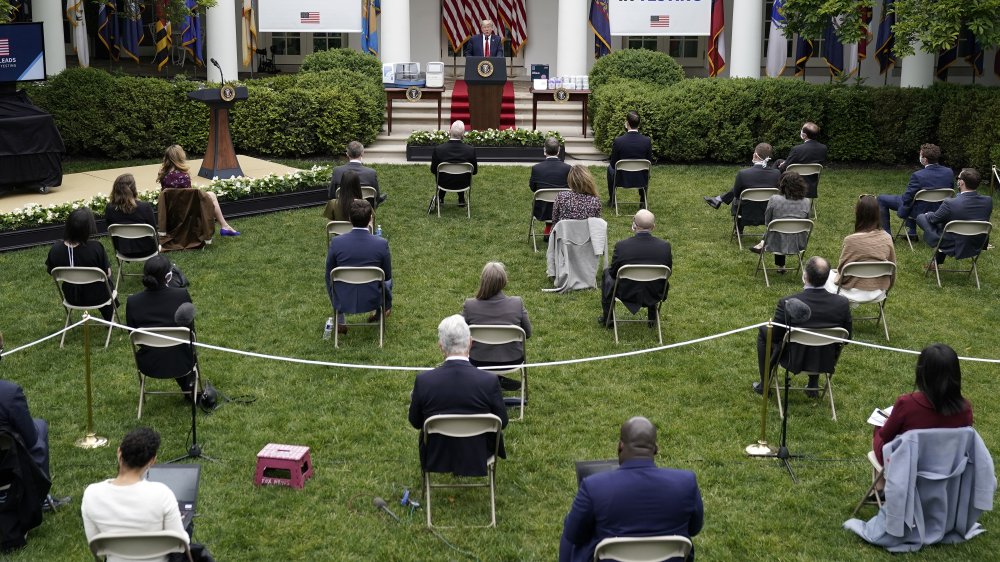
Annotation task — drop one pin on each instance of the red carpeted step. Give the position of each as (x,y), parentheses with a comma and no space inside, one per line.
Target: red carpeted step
(460,105)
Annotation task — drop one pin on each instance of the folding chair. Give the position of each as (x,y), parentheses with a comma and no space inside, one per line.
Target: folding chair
(367,192)
(545,195)
(870,270)
(643,549)
(140,546)
(335,228)
(361,276)
(813,338)
(640,274)
(871,497)
(789,227)
(83,276)
(501,334)
(753,198)
(962,228)
(187,361)
(805,170)
(132,232)
(464,426)
(932,195)
(631,166)
(454,169)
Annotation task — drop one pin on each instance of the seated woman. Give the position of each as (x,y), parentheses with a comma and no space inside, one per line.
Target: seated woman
(76,249)
(339,209)
(868,243)
(156,307)
(937,402)
(125,208)
(492,306)
(581,201)
(173,174)
(789,203)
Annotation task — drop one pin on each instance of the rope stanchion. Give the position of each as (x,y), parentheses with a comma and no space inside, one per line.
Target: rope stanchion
(90,440)
(761,448)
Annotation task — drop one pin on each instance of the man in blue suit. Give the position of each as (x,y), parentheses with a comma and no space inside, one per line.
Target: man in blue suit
(636,500)
(968,205)
(15,416)
(931,176)
(456,387)
(359,248)
(485,44)
(633,145)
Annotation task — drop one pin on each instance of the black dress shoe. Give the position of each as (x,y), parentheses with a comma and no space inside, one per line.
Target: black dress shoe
(509,384)
(758,388)
(381,198)
(812,388)
(712,202)
(50,504)
(603,321)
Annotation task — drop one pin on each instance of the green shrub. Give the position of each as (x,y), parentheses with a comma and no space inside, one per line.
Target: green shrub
(636,64)
(344,59)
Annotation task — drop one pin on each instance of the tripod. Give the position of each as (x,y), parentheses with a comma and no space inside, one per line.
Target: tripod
(194,451)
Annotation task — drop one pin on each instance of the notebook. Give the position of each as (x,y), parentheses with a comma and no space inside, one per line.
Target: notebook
(183,480)
(586,468)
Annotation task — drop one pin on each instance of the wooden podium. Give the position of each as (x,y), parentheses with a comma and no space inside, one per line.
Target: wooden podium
(220,157)
(485,78)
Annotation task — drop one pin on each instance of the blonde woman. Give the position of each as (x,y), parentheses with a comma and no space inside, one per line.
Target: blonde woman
(173,174)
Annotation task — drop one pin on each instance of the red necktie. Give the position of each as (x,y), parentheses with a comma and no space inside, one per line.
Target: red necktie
(486,47)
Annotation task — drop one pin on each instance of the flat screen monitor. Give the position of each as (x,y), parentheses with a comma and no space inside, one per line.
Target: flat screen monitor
(22,52)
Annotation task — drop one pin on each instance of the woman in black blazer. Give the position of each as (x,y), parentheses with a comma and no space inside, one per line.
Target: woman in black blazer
(125,208)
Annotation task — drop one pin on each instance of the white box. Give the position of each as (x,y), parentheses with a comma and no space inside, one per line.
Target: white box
(435,75)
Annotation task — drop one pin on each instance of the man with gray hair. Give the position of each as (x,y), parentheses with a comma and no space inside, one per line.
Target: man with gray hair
(549,173)
(355,153)
(456,387)
(454,150)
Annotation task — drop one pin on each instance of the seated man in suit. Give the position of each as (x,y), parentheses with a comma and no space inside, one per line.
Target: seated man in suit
(814,307)
(485,44)
(931,176)
(14,414)
(551,172)
(759,174)
(811,151)
(454,150)
(456,387)
(968,205)
(359,248)
(636,500)
(645,249)
(355,154)
(633,145)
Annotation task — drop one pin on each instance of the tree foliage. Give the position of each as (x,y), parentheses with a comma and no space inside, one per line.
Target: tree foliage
(936,24)
(809,18)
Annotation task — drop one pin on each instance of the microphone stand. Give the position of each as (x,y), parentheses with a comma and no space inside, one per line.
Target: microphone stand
(194,451)
(783,448)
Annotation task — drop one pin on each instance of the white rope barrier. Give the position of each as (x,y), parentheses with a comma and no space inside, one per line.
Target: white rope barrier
(46,338)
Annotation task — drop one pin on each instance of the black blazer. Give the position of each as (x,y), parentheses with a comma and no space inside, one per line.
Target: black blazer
(551,172)
(641,249)
(827,310)
(631,146)
(143,214)
(754,176)
(456,387)
(474,46)
(809,152)
(367,175)
(454,151)
(155,308)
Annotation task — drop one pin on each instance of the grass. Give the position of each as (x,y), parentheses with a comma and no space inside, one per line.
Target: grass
(264,292)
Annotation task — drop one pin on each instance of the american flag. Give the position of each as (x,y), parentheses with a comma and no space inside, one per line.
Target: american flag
(659,21)
(513,14)
(478,10)
(454,22)
(4,47)
(309,17)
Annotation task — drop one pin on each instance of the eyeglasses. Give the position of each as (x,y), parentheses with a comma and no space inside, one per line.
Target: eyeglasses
(863,195)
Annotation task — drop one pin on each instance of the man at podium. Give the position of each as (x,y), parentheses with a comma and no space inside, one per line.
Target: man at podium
(485,44)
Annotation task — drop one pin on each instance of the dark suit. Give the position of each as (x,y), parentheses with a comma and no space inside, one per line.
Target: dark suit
(143,214)
(966,206)
(754,176)
(34,432)
(636,500)
(551,172)
(155,308)
(641,249)
(359,248)
(827,310)
(367,175)
(630,146)
(931,176)
(809,152)
(456,387)
(474,46)
(454,151)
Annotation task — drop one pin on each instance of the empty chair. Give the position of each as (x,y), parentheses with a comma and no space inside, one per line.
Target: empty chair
(748,210)
(135,233)
(139,545)
(814,339)
(635,165)
(930,199)
(967,239)
(640,274)
(783,228)
(448,171)
(84,278)
(643,549)
(180,362)
(869,270)
(544,195)
(575,248)
(340,276)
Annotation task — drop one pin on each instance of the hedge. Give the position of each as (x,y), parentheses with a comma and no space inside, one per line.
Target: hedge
(116,116)
(636,64)
(715,120)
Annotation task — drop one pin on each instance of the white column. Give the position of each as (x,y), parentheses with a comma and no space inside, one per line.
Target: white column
(222,45)
(571,38)
(918,69)
(50,13)
(746,39)
(394,33)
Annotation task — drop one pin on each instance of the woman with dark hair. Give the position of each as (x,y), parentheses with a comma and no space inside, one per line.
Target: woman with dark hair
(156,307)
(789,203)
(339,209)
(491,306)
(125,208)
(174,174)
(581,201)
(937,402)
(868,243)
(76,249)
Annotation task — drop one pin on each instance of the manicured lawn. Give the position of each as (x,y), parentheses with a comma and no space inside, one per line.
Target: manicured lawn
(264,292)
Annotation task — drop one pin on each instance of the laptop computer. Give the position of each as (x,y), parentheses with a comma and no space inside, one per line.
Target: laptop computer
(183,480)
(586,468)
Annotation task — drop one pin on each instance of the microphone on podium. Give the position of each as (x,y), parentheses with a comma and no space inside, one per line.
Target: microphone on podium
(215,63)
